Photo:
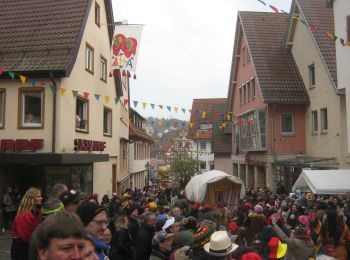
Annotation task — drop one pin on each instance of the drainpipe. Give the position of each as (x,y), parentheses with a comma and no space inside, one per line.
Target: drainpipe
(273,128)
(53,147)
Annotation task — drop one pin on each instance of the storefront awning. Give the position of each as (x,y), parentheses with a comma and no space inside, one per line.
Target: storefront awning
(51,158)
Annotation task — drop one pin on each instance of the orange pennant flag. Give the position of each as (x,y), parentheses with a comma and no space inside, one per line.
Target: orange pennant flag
(107,98)
(23,79)
(144,104)
(63,91)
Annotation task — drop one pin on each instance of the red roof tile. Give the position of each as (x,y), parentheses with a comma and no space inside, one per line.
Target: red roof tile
(276,71)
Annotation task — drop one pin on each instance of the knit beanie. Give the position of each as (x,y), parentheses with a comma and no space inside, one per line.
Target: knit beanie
(183,238)
(88,211)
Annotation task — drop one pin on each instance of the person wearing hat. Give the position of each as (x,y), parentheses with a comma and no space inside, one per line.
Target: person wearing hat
(95,220)
(205,213)
(220,246)
(162,246)
(71,200)
(171,226)
(300,244)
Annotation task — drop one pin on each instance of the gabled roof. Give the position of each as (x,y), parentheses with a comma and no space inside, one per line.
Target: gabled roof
(221,141)
(275,69)
(44,35)
(199,106)
(278,76)
(317,13)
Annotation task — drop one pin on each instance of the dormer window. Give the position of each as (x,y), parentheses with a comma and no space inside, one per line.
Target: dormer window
(97,15)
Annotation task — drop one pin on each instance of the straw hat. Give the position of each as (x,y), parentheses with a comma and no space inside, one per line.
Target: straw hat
(220,244)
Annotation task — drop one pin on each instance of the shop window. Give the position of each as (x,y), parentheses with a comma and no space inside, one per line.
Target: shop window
(82,115)
(314,121)
(2,108)
(97,15)
(103,69)
(312,79)
(31,113)
(89,59)
(287,124)
(203,145)
(324,120)
(107,121)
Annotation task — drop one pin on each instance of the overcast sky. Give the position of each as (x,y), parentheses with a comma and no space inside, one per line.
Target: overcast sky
(185,51)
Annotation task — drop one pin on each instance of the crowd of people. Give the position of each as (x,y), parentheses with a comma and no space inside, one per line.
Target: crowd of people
(159,223)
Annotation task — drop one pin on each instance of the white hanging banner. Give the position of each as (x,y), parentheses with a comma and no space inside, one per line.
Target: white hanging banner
(126,47)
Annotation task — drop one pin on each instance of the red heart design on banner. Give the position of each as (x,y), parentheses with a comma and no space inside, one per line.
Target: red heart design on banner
(118,43)
(130,47)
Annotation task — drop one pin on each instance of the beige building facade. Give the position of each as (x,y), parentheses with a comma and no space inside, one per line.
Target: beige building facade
(77,113)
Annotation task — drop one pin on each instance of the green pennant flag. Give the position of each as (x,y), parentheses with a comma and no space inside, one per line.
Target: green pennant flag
(75,93)
(116,100)
(304,23)
(53,89)
(12,74)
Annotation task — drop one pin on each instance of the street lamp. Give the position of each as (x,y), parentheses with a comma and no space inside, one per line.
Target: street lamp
(148,167)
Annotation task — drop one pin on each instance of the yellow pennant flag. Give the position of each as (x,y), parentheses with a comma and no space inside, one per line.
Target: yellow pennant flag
(129,120)
(107,98)
(144,104)
(224,125)
(23,79)
(228,117)
(204,114)
(63,91)
(160,122)
(191,125)
(176,108)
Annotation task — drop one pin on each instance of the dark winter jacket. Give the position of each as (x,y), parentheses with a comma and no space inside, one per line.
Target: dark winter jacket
(144,242)
(121,245)
(134,229)
(158,255)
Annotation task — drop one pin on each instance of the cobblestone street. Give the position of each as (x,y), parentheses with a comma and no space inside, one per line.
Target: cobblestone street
(5,245)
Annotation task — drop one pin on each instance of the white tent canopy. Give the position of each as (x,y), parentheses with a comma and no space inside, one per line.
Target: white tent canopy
(324,181)
(196,188)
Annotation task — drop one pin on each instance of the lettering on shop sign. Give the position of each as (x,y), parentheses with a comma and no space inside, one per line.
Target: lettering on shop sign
(89,145)
(18,145)
(249,161)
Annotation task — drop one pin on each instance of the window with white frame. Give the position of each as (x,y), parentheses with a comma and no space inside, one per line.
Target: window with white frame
(103,69)
(243,56)
(324,120)
(287,124)
(314,121)
(248,90)
(252,83)
(312,79)
(107,121)
(203,145)
(31,108)
(244,94)
(2,108)
(240,96)
(82,114)
(97,15)
(89,59)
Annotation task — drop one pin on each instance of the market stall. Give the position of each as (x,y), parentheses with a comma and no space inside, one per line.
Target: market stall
(324,181)
(215,187)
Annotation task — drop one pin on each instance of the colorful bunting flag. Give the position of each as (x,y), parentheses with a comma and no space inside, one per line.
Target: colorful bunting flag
(135,103)
(12,74)
(33,82)
(23,79)
(274,9)
(53,89)
(332,36)
(191,125)
(169,108)
(160,106)
(97,96)
(107,98)
(342,41)
(262,2)
(183,110)
(63,91)
(175,109)
(75,93)
(152,106)
(126,101)
(144,104)
(1,71)
(313,27)
(116,100)
(86,95)
(204,114)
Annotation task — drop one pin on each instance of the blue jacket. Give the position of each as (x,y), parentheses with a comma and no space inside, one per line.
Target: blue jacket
(101,248)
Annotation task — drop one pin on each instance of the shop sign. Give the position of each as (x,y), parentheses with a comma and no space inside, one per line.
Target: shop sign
(18,145)
(89,145)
